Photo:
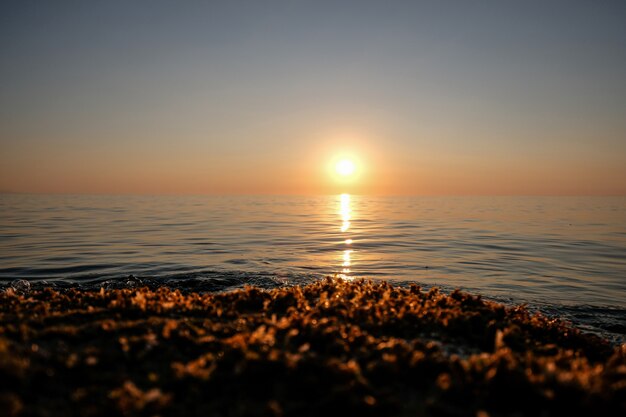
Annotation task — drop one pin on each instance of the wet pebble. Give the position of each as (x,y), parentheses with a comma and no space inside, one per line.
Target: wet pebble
(21,286)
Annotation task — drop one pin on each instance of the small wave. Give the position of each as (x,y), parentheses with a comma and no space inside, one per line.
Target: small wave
(608,322)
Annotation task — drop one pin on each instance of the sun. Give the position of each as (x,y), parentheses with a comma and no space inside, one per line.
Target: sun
(345,167)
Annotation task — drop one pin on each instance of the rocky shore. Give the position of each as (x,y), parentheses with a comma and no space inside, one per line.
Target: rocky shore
(334,347)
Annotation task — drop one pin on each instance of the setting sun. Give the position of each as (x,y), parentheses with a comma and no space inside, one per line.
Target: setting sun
(347,172)
(345,167)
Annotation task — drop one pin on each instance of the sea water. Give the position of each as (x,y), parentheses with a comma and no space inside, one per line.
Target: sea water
(564,256)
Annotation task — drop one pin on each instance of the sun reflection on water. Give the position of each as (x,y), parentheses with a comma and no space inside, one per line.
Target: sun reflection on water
(345,211)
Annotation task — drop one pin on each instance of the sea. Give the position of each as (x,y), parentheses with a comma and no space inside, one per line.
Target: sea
(560,256)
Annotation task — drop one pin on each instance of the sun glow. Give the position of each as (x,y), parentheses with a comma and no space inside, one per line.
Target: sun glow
(345,167)
(346,172)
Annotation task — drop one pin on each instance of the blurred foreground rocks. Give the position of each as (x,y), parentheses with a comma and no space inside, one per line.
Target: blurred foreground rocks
(330,348)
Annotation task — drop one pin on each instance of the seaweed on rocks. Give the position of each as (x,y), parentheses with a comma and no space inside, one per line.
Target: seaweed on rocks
(332,347)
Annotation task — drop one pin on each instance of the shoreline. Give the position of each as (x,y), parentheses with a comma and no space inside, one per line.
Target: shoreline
(333,347)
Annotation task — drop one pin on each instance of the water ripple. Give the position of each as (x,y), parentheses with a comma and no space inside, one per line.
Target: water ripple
(564,251)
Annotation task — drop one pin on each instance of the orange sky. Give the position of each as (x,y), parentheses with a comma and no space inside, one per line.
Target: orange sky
(307,170)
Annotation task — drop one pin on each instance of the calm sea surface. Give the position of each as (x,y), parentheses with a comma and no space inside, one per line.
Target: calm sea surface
(562,255)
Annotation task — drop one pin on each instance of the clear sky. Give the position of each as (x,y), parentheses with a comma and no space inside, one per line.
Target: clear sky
(441,97)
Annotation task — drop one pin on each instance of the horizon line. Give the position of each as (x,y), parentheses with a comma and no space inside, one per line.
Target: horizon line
(235,194)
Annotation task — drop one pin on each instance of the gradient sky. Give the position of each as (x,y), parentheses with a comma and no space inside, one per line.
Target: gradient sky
(441,97)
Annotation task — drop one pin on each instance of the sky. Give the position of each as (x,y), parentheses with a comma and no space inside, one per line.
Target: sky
(262,97)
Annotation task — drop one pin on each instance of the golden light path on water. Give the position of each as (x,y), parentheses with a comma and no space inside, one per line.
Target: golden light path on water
(345,211)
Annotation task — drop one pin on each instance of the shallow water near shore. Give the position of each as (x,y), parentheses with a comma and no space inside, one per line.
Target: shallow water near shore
(562,255)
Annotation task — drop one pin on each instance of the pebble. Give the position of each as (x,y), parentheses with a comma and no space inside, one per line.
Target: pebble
(20,286)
